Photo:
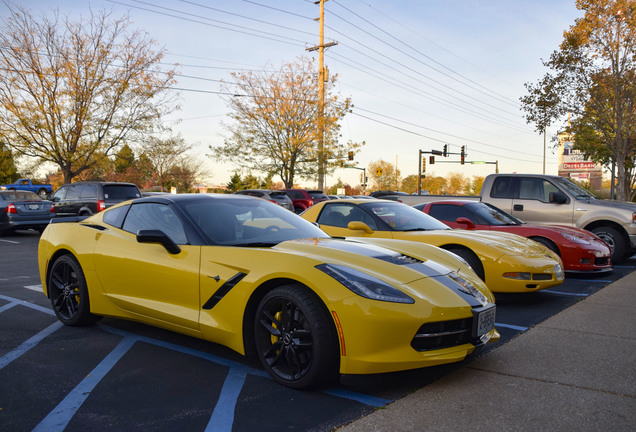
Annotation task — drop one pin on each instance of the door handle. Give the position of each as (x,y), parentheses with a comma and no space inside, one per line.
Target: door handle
(517,207)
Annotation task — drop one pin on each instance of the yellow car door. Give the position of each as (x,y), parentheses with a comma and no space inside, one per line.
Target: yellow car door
(145,279)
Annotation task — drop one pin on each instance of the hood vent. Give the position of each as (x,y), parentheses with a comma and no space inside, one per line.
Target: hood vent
(400,259)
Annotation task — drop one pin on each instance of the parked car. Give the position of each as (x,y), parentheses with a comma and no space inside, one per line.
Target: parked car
(25,184)
(305,198)
(262,281)
(87,198)
(24,210)
(506,262)
(580,250)
(276,196)
(384,194)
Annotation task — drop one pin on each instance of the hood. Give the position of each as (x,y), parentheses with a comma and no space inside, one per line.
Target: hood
(369,258)
(505,243)
(622,205)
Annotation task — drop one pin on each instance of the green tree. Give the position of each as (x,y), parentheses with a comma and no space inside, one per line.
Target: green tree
(276,123)
(594,76)
(8,169)
(71,90)
(235,184)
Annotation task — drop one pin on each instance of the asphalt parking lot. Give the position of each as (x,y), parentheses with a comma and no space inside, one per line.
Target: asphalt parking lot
(121,375)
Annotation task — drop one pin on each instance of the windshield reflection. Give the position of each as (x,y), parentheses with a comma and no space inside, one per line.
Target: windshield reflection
(401,217)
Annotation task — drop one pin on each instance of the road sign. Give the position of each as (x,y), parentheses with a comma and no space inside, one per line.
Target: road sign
(378,171)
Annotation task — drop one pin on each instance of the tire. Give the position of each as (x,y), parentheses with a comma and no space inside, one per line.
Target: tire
(69,293)
(547,243)
(472,260)
(42,193)
(615,241)
(294,338)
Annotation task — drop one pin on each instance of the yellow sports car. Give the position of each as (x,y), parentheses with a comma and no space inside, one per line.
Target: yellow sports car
(250,275)
(506,262)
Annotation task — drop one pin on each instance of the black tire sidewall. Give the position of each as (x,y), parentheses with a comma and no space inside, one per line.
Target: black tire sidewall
(83,316)
(324,364)
(620,246)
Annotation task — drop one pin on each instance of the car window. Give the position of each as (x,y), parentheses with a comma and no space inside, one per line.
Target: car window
(89,192)
(449,212)
(488,214)
(20,196)
(317,195)
(155,216)
(116,216)
(503,187)
(60,194)
(295,195)
(74,192)
(536,188)
(341,214)
(121,192)
(401,217)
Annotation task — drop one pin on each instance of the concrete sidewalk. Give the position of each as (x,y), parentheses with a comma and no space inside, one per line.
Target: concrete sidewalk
(574,372)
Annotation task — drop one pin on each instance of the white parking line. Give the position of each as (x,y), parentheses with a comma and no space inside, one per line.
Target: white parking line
(37,287)
(9,241)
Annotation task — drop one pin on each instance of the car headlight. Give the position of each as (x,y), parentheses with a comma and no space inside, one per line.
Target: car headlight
(575,239)
(468,286)
(365,285)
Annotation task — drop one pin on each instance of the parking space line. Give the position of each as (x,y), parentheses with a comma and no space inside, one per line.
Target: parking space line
(510,326)
(61,415)
(27,304)
(9,241)
(565,293)
(222,419)
(37,287)
(29,343)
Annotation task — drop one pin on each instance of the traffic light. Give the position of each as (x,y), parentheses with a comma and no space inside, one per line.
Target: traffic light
(350,155)
(431,160)
(462,155)
(424,164)
(445,153)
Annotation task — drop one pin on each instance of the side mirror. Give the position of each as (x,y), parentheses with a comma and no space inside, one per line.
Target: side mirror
(361,226)
(158,236)
(558,198)
(465,221)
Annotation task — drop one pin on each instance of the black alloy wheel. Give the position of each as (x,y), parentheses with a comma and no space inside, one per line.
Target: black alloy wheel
(68,292)
(471,258)
(294,338)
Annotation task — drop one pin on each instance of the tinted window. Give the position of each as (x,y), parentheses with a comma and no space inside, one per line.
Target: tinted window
(74,192)
(488,214)
(295,194)
(121,192)
(115,217)
(279,196)
(401,217)
(60,194)
(502,187)
(536,188)
(155,216)
(448,212)
(317,196)
(89,192)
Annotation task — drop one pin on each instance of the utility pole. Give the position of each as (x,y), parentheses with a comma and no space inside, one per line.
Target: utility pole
(321,90)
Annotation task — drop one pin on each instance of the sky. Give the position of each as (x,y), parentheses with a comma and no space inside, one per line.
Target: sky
(420,73)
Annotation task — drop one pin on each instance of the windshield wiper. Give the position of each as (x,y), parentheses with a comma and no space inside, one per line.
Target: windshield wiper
(414,229)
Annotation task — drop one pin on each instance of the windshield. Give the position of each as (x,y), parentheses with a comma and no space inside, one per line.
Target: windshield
(248,221)
(401,217)
(491,215)
(574,189)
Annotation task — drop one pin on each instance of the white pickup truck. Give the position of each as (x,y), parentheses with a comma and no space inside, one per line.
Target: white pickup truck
(545,199)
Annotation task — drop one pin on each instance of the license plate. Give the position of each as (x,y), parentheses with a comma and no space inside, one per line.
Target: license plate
(484,319)
(33,206)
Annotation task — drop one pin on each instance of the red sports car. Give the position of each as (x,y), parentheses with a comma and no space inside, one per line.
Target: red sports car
(580,250)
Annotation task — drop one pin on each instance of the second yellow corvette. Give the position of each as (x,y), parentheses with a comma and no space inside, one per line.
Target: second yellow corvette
(506,262)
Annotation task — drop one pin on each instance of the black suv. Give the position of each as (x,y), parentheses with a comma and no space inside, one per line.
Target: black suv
(86,198)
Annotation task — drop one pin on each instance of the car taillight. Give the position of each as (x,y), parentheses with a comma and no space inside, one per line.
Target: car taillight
(311,202)
(11,209)
(52,208)
(101,205)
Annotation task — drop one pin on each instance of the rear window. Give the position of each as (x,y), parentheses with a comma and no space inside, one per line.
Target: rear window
(121,192)
(279,196)
(20,196)
(317,195)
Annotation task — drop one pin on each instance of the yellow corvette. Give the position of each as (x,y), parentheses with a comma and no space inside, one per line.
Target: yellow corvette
(252,276)
(506,262)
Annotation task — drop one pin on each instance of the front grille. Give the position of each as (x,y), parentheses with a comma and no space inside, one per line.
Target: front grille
(443,334)
(601,261)
(541,276)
